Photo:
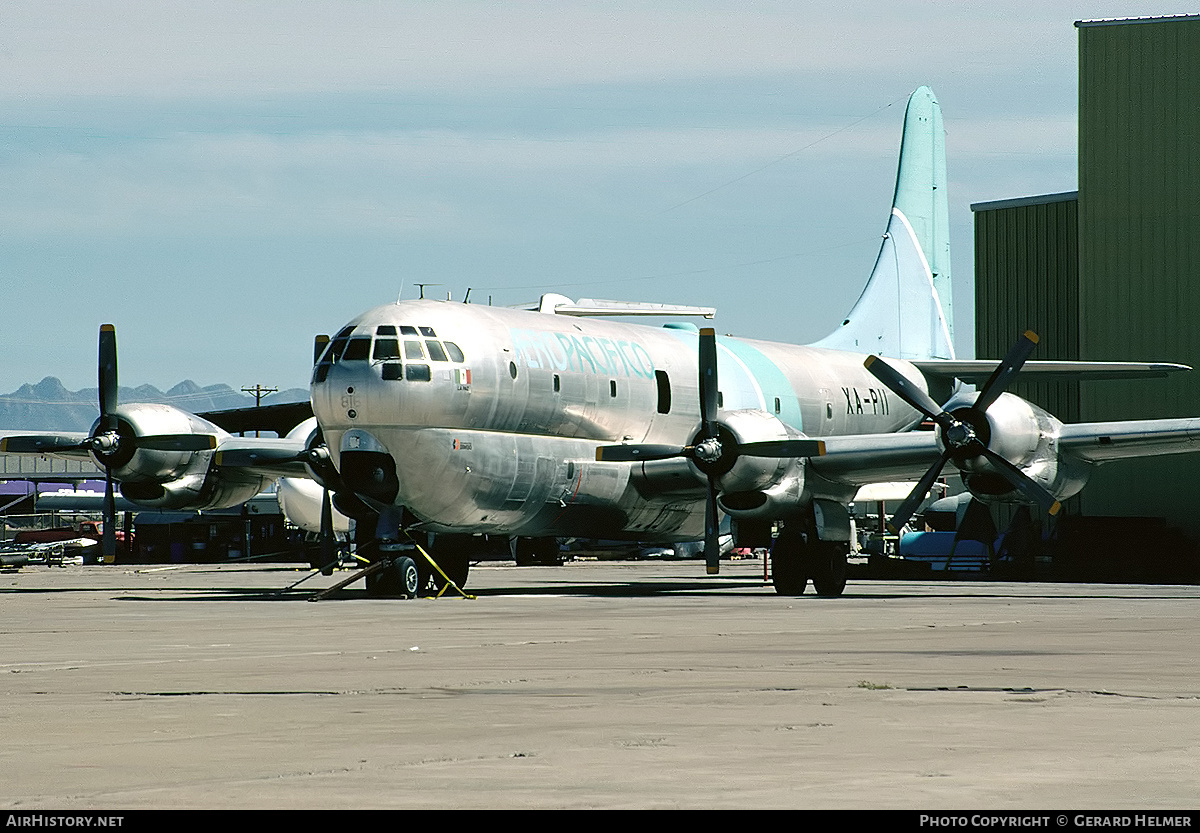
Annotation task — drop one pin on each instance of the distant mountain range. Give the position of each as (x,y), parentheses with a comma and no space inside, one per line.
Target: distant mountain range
(48,406)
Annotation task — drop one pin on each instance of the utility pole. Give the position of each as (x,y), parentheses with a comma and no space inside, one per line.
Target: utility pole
(258,392)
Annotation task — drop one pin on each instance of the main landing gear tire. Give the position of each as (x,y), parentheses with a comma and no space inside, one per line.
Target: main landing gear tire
(795,560)
(828,567)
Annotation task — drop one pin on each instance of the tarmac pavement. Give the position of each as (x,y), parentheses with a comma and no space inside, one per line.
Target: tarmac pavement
(595,684)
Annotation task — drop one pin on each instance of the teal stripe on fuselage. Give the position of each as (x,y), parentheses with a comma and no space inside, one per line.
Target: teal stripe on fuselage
(736,359)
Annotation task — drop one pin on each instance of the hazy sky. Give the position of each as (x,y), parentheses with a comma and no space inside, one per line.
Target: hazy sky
(224,180)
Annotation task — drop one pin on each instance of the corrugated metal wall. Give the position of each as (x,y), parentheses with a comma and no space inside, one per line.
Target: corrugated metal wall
(1027,278)
(1139,215)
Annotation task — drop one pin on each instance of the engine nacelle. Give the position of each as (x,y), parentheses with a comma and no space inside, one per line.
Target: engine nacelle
(131,463)
(163,479)
(1027,437)
(757,487)
(203,490)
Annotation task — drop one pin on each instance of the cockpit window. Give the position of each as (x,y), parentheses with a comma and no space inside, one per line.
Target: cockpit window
(408,330)
(345,331)
(359,349)
(385,349)
(412,350)
(335,348)
(436,352)
(428,332)
(456,355)
(385,330)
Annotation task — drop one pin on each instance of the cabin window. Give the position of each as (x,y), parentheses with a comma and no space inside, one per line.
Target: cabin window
(778,405)
(512,369)
(417,373)
(664,391)
(412,350)
(612,387)
(720,400)
(456,355)
(385,349)
(436,352)
(557,383)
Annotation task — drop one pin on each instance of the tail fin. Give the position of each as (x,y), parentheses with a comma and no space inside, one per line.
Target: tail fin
(906,309)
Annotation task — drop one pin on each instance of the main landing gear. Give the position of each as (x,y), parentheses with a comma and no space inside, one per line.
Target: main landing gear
(797,556)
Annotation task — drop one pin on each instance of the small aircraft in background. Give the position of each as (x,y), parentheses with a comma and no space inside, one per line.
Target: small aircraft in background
(458,420)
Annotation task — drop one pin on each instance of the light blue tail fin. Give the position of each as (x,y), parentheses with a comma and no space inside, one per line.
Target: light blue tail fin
(906,309)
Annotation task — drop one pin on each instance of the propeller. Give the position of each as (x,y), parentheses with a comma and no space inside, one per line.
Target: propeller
(965,431)
(109,438)
(713,450)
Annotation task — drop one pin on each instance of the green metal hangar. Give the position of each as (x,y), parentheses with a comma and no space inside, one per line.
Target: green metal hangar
(1112,272)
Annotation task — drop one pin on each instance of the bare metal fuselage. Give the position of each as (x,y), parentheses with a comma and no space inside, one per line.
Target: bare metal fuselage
(504,440)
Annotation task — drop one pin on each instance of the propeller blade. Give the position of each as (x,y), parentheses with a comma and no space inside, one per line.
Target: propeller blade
(899,384)
(712,531)
(109,537)
(178,442)
(1032,489)
(783,448)
(39,444)
(905,511)
(1006,370)
(634,453)
(708,380)
(107,376)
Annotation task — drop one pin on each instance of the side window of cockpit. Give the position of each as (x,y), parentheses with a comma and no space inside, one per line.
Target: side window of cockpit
(335,349)
(412,350)
(436,353)
(456,355)
(357,350)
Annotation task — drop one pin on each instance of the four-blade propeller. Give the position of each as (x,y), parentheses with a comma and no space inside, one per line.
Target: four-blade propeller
(965,430)
(109,437)
(712,450)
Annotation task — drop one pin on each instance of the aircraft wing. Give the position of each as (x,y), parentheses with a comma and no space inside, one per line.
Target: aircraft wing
(870,458)
(1099,442)
(67,445)
(977,371)
(859,459)
(265,456)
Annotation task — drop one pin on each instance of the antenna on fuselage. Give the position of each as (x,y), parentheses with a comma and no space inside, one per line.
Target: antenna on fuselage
(467,296)
(422,287)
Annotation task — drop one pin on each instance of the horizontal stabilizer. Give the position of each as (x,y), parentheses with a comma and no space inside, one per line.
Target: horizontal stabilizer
(974,371)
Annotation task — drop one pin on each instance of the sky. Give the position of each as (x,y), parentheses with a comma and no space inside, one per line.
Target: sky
(225,180)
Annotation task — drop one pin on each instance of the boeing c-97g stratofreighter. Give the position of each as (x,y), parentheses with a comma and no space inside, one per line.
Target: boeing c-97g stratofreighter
(460,419)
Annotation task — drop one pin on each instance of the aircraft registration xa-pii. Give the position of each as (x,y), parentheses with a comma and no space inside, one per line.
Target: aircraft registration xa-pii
(461,420)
